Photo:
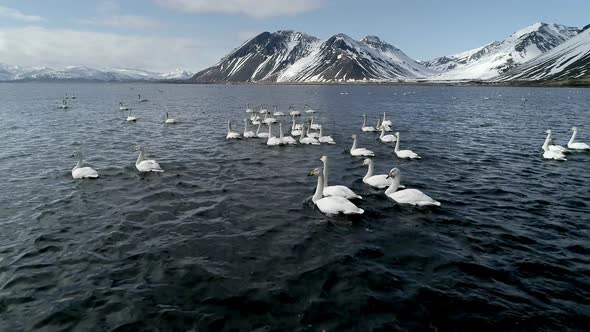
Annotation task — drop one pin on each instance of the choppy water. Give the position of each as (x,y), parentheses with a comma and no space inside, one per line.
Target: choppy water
(227,239)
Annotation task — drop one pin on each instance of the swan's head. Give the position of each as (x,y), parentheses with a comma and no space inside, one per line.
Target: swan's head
(393,173)
(120,103)
(291,107)
(364,115)
(138,148)
(324,158)
(353,136)
(548,131)
(367,161)
(315,172)
(75,154)
(574,129)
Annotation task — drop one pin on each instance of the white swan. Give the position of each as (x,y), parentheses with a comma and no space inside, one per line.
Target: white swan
(386,138)
(325,139)
(146,165)
(248,109)
(293,111)
(231,134)
(312,125)
(364,127)
(64,105)
(277,113)
(141,100)
(255,119)
(572,144)
(268,120)
(295,128)
(263,110)
(66,97)
(310,134)
(551,154)
(169,120)
(259,134)
(308,110)
(407,196)
(378,181)
(331,205)
(73,95)
(272,140)
(79,172)
(359,152)
(247,133)
(341,191)
(123,108)
(307,140)
(555,147)
(285,140)
(385,122)
(131,118)
(404,154)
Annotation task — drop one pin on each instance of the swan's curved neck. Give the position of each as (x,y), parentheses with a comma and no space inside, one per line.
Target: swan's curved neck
(245,125)
(302,133)
(129,113)
(393,186)
(353,144)
(396,143)
(141,157)
(293,126)
(383,117)
(321,131)
(280,130)
(269,130)
(546,143)
(319,190)
(258,129)
(325,173)
(573,138)
(228,127)
(382,131)
(370,170)
(80,161)
(364,121)
(308,128)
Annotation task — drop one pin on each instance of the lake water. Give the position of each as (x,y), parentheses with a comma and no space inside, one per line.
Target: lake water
(228,239)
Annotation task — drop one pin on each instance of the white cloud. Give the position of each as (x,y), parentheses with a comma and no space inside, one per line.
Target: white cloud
(122,21)
(36,46)
(252,8)
(18,15)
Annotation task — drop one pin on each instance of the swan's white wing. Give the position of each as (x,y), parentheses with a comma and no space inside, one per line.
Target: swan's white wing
(249,134)
(388,138)
(326,139)
(334,205)
(362,152)
(578,146)
(341,191)
(232,135)
(413,197)
(408,154)
(84,173)
(149,166)
(379,181)
(555,155)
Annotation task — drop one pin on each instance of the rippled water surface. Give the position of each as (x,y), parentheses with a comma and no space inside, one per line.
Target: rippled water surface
(228,239)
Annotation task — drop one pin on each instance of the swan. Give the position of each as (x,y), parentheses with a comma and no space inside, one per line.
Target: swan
(64,104)
(277,113)
(123,108)
(572,144)
(295,128)
(146,165)
(312,125)
(141,100)
(331,205)
(385,122)
(407,196)
(386,138)
(308,110)
(169,120)
(255,119)
(325,139)
(286,140)
(307,140)
(268,120)
(359,152)
(293,111)
(131,118)
(259,134)
(364,127)
(73,95)
(231,134)
(79,172)
(263,110)
(341,191)
(272,140)
(554,147)
(378,181)
(404,154)
(66,97)
(248,109)
(247,133)
(551,154)
(312,135)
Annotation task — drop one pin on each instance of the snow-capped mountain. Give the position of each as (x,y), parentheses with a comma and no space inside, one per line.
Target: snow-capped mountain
(288,56)
(498,57)
(77,73)
(570,60)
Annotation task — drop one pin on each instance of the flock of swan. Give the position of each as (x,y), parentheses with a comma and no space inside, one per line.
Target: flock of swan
(558,152)
(335,199)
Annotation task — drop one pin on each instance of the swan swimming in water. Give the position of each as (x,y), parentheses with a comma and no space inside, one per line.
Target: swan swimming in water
(141,100)
(80,172)
(131,118)
(364,127)
(295,128)
(325,139)
(555,147)
(285,140)
(64,105)
(379,181)
(123,108)
(341,191)
(404,154)
(307,140)
(272,140)
(551,154)
(331,205)
(385,122)
(359,152)
(310,134)
(386,138)
(259,134)
(248,109)
(293,112)
(308,110)
(572,144)
(146,165)
(247,133)
(231,134)
(169,120)
(277,113)
(312,125)
(407,196)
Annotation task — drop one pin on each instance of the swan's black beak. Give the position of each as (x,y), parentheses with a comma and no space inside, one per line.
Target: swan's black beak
(72,155)
(311,173)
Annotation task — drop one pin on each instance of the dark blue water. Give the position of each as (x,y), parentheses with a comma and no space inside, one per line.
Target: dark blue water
(227,238)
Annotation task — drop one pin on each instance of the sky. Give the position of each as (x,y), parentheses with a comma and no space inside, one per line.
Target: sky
(162,35)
